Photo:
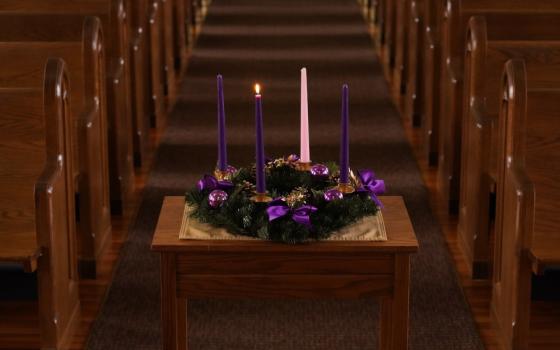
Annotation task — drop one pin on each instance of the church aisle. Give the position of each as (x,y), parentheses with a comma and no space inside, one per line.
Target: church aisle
(249,41)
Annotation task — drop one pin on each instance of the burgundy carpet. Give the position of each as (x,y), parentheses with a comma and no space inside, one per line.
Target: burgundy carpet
(269,41)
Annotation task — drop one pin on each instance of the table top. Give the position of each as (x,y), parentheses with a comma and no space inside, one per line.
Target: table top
(400,234)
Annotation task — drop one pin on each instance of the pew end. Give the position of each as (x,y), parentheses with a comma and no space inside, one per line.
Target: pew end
(506,20)
(414,94)
(157,100)
(141,92)
(180,30)
(431,52)
(113,16)
(528,219)
(85,64)
(387,38)
(399,71)
(491,39)
(38,197)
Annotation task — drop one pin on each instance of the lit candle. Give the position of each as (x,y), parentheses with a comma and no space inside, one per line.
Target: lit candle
(222,149)
(261,182)
(344,146)
(304,153)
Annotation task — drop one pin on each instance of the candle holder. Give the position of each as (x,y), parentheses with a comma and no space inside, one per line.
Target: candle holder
(303,166)
(345,188)
(261,198)
(223,175)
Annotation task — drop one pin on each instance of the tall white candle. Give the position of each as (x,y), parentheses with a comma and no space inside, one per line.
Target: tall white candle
(304,153)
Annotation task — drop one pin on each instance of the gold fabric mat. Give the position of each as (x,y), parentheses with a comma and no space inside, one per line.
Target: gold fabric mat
(371,228)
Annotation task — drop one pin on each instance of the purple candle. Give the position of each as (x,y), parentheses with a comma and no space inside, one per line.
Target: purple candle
(344,146)
(222,149)
(261,182)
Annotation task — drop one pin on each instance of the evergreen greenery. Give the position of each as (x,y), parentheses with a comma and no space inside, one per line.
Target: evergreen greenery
(240,215)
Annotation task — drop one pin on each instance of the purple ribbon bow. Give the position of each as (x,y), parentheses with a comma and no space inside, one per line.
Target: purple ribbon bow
(209,182)
(371,185)
(278,208)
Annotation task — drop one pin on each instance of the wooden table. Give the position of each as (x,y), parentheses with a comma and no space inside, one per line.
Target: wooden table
(262,269)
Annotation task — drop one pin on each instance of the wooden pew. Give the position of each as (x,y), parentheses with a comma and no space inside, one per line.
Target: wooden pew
(199,11)
(364,5)
(378,20)
(168,58)
(526,21)
(192,17)
(387,42)
(414,92)
(140,78)
(62,21)
(157,78)
(486,53)
(373,13)
(165,54)
(180,33)
(370,11)
(22,66)
(399,72)
(36,197)
(191,30)
(431,51)
(528,215)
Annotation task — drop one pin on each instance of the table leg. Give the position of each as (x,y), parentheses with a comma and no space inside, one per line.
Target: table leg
(168,301)
(182,343)
(394,311)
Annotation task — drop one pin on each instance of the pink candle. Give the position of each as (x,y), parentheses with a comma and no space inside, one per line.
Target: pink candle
(222,150)
(304,153)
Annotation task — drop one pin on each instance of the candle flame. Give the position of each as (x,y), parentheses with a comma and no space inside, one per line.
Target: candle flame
(257,89)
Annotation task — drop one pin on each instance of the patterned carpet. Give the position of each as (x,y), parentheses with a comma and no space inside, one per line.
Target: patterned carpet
(269,41)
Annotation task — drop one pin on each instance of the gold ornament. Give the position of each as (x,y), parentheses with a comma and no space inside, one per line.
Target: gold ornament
(296,197)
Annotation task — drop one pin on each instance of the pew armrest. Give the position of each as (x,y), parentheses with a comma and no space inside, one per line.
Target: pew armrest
(542,248)
(45,188)
(525,192)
